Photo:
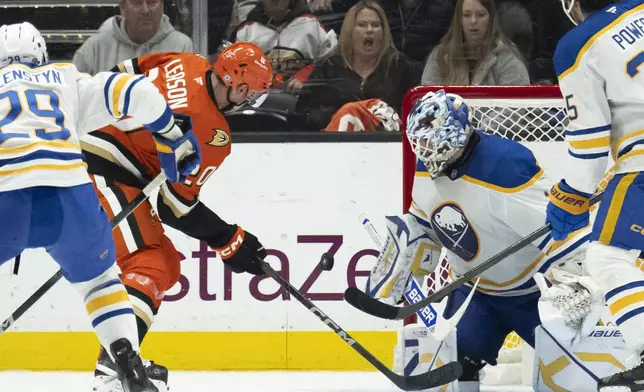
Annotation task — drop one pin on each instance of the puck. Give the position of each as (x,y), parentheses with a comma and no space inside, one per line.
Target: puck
(327,261)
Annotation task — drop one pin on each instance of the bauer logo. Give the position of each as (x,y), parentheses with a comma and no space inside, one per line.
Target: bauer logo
(608,333)
(455,231)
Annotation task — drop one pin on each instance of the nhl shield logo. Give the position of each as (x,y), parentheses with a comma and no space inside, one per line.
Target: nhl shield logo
(455,231)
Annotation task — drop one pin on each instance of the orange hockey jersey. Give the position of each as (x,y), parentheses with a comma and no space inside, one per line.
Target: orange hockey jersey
(367,115)
(126,152)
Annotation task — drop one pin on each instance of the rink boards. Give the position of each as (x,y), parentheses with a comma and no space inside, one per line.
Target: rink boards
(301,200)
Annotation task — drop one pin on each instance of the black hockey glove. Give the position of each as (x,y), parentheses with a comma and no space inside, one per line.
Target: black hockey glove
(241,252)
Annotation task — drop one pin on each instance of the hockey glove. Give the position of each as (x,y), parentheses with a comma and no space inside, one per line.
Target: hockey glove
(571,306)
(178,150)
(408,251)
(567,210)
(240,254)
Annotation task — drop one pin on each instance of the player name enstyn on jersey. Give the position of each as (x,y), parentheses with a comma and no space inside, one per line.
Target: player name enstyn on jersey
(44,110)
(37,147)
(493,200)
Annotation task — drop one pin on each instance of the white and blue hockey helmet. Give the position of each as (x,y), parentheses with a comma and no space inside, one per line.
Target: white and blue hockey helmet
(22,43)
(438,126)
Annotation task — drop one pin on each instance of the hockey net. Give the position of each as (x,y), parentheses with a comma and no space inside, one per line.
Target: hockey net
(530,114)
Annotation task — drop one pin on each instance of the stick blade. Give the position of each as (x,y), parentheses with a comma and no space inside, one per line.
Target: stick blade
(369,305)
(433,378)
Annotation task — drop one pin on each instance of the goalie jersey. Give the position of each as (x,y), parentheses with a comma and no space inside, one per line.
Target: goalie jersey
(493,198)
(45,109)
(598,65)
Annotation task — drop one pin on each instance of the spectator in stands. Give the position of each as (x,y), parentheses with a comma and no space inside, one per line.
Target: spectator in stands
(244,7)
(142,28)
(416,25)
(292,38)
(220,16)
(516,24)
(474,51)
(366,65)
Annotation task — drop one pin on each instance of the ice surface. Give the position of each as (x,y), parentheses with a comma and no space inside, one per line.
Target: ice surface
(222,382)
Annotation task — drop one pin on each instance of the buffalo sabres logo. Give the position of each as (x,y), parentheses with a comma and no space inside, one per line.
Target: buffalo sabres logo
(220,138)
(455,231)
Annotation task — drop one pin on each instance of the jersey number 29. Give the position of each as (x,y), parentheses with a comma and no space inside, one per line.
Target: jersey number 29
(31,98)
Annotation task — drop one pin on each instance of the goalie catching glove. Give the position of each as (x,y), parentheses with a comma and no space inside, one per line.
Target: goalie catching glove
(408,251)
(572,305)
(178,150)
(240,254)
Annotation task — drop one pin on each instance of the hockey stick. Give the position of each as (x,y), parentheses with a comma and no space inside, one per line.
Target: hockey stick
(441,376)
(370,305)
(373,233)
(154,184)
(16,265)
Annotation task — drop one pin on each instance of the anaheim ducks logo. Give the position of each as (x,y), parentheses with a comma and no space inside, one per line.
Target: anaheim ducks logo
(455,231)
(220,138)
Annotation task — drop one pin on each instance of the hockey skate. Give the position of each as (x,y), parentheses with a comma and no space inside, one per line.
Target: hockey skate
(136,375)
(628,381)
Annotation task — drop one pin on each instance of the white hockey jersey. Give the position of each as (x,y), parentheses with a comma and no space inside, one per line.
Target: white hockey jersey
(494,199)
(44,110)
(598,64)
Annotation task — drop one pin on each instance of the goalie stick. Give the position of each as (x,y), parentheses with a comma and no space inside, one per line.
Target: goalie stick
(433,378)
(145,193)
(372,306)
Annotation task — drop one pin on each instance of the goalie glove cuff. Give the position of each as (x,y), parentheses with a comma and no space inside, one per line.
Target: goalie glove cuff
(570,308)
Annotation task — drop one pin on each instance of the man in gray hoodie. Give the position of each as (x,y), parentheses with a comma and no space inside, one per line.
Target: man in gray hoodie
(142,28)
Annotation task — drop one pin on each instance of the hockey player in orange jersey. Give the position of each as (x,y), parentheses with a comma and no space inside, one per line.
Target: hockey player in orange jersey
(121,163)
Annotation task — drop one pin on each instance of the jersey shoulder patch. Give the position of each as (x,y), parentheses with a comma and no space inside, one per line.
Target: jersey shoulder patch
(573,46)
(502,165)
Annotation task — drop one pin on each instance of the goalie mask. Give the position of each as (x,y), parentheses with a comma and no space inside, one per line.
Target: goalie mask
(438,126)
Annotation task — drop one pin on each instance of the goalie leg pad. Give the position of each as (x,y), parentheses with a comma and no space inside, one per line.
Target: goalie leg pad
(614,271)
(415,350)
(561,367)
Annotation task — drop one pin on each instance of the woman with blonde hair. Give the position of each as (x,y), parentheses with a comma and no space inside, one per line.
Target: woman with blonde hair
(365,65)
(474,51)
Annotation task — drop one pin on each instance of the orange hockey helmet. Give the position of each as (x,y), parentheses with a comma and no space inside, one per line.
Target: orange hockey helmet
(245,63)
